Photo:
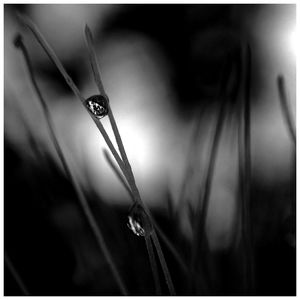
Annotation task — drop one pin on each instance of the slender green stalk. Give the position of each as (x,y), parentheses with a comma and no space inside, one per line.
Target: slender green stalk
(153,265)
(128,174)
(83,202)
(16,275)
(286,108)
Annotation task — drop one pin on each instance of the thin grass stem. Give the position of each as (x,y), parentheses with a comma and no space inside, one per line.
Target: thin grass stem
(285,107)
(33,28)
(82,199)
(97,77)
(129,174)
(53,57)
(153,265)
(16,275)
(117,173)
(247,174)
(94,60)
(201,213)
(163,264)
(164,238)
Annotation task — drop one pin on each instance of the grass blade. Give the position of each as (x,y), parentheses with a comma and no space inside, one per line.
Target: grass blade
(153,265)
(83,202)
(51,54)
(201,213)
(246,177)
(95,67)
(33,28)
(128,171)
(164,238)
(16,275)
(117,173)
(286,108)
(163,264)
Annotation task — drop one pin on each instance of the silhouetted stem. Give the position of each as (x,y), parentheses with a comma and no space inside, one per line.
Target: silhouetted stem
(51,54)
(247,234)
(117,173)
(163,264)
(157,227)
(201,213)
(84,203)
(97,77)
(286,108)
(16,275)
(201,218)
(33,28)
(128,171)
(153,265)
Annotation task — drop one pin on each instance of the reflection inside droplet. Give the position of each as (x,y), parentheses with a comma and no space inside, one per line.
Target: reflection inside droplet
(138,221)
(97,105)
(135,226)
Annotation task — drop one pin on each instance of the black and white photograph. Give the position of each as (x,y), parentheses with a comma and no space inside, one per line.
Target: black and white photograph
(149,149)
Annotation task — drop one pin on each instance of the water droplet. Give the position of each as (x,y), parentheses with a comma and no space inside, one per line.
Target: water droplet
(138,221)
(97,105)
(135,226)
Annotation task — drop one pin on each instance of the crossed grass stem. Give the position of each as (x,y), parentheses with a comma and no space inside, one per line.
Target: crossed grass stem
(130,177)
(123,163)
(161,234)
(82,199)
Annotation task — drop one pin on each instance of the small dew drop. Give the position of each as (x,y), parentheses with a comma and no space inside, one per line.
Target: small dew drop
(97,105)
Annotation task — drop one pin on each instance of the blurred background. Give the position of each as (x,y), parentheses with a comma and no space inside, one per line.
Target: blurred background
(161,67)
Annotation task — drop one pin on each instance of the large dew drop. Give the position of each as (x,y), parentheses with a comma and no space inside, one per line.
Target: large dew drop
(138,221)
(97,105)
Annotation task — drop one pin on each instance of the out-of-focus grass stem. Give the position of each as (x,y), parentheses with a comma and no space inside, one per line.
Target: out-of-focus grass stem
(285,107)
(84,204)
(201,213)
(15,275)
(246,179)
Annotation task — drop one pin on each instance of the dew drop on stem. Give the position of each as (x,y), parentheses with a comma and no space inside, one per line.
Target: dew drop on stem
(138,221)
(97,105)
